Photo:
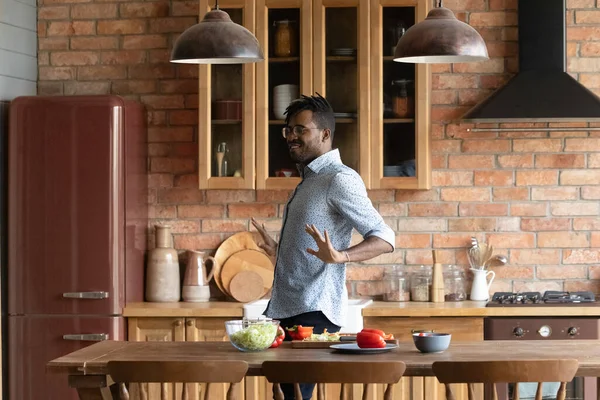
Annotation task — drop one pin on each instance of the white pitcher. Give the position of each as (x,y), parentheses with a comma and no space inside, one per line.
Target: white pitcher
(480,290)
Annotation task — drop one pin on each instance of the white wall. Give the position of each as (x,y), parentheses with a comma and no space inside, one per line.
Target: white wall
(18,48)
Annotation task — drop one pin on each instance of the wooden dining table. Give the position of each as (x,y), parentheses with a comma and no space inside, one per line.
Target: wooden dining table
(87,368)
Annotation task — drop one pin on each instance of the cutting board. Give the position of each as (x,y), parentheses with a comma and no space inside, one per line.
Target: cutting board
(246,286)
(301,344)
(238,242)
(248,260)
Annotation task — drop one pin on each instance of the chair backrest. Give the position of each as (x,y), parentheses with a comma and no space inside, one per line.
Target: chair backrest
(492,372)
(124,372)
(322,372)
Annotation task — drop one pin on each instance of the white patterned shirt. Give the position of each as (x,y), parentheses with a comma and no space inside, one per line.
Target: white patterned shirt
(333,197)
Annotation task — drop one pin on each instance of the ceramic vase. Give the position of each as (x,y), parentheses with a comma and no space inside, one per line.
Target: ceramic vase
(162,275)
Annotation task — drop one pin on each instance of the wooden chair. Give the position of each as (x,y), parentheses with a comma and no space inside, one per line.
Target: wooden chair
(492,372)
(322,372)
(208,372)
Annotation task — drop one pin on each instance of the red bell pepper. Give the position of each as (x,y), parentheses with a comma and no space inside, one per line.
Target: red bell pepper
(299,332)
(367,339)
(377,331)
(279,338)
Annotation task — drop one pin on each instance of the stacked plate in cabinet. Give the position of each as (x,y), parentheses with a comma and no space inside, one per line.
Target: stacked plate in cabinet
(282,97)
(243,270)
(343,52)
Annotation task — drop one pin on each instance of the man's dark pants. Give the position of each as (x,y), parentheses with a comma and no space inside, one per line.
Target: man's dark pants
(320,322)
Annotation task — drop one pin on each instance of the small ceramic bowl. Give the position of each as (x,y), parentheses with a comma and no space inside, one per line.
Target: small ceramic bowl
(429,342)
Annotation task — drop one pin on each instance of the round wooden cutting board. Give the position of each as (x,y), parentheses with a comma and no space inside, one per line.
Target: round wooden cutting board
(248,260)
(233,244)
(246,286)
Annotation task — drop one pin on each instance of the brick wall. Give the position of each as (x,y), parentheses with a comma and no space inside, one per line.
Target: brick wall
(534,196)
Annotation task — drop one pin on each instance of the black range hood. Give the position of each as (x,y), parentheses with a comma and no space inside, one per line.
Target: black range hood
(542,91)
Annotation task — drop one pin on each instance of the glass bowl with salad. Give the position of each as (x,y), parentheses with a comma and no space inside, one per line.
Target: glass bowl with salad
(252,334)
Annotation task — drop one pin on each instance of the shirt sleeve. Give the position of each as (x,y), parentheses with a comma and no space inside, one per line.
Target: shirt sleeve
(347,193)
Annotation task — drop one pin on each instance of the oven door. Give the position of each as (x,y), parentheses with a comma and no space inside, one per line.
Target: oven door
(539,328)
(575,390)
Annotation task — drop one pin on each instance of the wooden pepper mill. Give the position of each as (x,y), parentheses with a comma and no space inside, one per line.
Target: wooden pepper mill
(437,285)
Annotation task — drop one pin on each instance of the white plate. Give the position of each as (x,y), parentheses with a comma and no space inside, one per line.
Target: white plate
(353,348)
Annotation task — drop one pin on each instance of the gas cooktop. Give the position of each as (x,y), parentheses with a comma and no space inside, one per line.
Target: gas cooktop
(550,298)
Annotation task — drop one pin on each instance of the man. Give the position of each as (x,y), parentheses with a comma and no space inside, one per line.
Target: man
(309,288)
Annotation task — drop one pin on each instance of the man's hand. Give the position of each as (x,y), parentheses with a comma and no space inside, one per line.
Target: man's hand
(325,252)
(269,245)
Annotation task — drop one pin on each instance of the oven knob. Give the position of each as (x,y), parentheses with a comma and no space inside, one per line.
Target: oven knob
(572,331)
(518,331)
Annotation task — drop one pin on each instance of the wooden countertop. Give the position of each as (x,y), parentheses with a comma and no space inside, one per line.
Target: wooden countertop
(472,309)
(376,309)
(183,309)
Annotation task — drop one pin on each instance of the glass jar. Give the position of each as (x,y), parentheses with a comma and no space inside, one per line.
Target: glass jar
(403,102)
(285,39)
(420,284)
(396,32)
(397,285)
(454,284)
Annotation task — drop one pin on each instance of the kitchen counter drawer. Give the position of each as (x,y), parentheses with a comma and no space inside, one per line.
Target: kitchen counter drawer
(461,328)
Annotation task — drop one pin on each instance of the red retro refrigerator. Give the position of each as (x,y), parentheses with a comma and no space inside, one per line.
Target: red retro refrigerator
(77,222)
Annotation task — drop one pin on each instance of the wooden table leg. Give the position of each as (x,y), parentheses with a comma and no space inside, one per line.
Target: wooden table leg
(90,387)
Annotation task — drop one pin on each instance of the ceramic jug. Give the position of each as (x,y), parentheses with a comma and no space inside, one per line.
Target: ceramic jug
(196,279)
(162,274)
(480,290)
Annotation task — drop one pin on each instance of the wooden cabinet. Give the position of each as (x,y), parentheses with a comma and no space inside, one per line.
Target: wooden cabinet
(159,330)
(341,27)
(192,330)
(428,388)
(257,388)
(338,48)
(400,101)
(294,67)
(227,114)
(208,330)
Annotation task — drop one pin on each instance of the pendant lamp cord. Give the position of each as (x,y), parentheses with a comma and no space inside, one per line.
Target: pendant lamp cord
(440,3)
(217,4)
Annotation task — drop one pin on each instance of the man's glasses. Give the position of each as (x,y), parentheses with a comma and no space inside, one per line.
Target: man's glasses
(298,130)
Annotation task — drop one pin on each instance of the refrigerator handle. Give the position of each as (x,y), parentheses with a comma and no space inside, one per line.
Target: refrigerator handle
(86,295)
(93,337)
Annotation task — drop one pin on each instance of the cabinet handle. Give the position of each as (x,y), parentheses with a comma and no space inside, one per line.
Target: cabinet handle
(86,295)
(89,337)
(178,322)
(189,322)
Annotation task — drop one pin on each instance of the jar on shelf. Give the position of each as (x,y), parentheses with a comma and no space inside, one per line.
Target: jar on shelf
(454,284)
(420,284)
(397,285)
(285,39)
(403,101)
(396,32)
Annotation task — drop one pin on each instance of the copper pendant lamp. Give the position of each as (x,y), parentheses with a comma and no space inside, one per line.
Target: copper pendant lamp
(440,38)
(216,40)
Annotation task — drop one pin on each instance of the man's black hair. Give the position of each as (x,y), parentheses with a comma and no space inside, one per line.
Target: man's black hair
(320,107)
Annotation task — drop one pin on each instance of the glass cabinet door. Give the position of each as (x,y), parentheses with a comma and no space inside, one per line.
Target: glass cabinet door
(400,101)
(226,129)
(285,35)
(341,74)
